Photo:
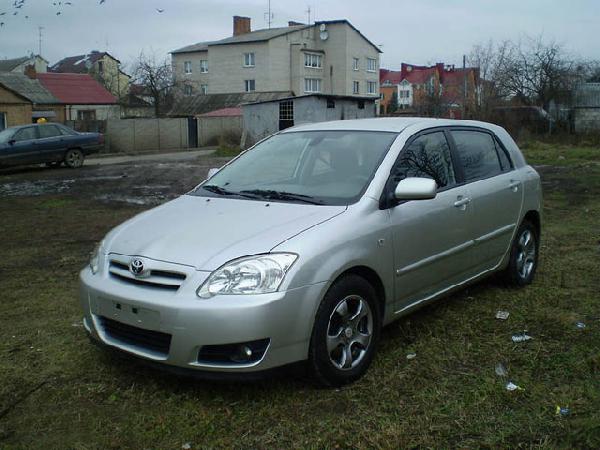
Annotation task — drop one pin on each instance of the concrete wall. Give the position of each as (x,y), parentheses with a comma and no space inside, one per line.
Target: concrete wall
(262,119)
(17,111)
(142,135)
(211,129)
(587,120)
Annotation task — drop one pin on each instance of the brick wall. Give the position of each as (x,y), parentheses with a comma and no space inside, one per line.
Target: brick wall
(17,110)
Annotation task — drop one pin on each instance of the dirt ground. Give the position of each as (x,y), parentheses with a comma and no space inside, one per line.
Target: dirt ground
(142,182)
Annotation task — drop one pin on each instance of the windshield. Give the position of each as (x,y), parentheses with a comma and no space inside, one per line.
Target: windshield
(319,167)
(6,135)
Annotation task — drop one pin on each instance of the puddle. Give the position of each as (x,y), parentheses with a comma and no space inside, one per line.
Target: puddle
(34,188)
(140,201)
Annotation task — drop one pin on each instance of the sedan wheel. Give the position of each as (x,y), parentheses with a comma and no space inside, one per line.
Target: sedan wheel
(74,158)
(345,333)
(524,256)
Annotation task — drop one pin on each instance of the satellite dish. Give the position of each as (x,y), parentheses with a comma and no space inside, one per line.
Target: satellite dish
(322,27)
(324,35)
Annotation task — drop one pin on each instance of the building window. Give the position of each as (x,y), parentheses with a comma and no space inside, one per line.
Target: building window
(356,87)
(355,63)
(203,66)
(187,89)
(313,60)
(100,66)
(330,103)
(86,115)
(187,66)
(204,89)
(249,85)
(312,85)
(286,110)
(361,104)
(371,65)
(371,87)
(248,59)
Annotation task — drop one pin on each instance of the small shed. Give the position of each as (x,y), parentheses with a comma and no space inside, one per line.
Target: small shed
(267,117)
(586,108)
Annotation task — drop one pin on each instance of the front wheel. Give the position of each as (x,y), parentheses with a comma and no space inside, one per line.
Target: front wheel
(345,333)
(74,158)
(523,256)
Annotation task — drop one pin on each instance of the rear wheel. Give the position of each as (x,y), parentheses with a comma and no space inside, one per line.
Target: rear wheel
(523,256)
(345,333)
(74,158)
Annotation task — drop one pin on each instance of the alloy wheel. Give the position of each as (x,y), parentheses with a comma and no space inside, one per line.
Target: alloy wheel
(526,248)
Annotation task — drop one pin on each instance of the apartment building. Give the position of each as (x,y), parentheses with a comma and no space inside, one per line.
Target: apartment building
(327,57)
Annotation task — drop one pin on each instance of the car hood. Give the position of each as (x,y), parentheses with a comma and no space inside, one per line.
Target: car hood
(207,232)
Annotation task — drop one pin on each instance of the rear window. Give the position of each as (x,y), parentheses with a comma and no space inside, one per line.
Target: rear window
(48,131)
(477,154)
(25,134)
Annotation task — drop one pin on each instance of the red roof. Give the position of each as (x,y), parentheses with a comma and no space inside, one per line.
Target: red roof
(76,89)
(224,112)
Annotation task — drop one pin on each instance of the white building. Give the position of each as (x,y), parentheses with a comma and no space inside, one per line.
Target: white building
(328,57)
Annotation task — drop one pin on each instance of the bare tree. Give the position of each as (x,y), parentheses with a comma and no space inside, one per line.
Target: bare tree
(157,79)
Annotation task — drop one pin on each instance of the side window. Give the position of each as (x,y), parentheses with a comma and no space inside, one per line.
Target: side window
(48,131)
(25,134)
(428,156)
(504,159)
(477,154)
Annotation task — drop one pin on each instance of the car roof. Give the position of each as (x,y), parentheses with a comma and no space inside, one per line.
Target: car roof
(18,127)
(389,124)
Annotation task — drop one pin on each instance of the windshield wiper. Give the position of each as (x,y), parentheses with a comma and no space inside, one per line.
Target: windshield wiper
(282,195)
(222,191)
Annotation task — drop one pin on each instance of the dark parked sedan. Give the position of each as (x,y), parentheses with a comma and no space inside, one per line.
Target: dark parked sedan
(50,143)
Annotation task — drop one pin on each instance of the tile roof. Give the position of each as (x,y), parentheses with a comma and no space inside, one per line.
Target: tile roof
(76,89)
(6,65)
(30,89)
(78,63)
(200,104)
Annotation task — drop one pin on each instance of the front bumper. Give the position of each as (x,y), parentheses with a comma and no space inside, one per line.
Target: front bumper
(284,318)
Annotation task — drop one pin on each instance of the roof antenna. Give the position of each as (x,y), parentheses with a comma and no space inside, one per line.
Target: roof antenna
(269,15)
(308,12)
(40,40)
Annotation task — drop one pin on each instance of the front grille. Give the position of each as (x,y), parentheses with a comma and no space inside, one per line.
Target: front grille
(154,341)
(156,278)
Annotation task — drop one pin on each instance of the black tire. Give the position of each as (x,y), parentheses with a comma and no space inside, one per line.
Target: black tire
(324,364)
(523,258)
(74,158)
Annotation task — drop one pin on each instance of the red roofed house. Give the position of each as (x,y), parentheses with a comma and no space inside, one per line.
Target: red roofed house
(429,90)
(84,98)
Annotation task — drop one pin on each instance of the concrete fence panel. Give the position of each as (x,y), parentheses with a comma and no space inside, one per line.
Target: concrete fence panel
(146,135)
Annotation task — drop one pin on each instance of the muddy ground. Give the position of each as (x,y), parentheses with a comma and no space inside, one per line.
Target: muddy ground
(141,182)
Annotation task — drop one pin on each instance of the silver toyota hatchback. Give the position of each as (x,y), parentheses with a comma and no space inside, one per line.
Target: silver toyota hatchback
(304,246)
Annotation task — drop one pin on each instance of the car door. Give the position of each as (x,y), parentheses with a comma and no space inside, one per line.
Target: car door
(50,144)
(495,190)
(431,238)
(22,150)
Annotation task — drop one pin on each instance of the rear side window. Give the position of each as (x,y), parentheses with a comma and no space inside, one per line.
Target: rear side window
(48,131)
(428,156)
(504,159)
(477,154)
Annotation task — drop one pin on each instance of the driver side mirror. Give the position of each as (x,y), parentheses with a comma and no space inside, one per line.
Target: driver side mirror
(12,142)
(415,189)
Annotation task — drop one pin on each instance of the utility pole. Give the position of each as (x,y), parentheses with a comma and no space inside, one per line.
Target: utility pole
(464,108)
(40,40)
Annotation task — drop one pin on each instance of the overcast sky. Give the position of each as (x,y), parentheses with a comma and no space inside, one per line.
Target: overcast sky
(415,31)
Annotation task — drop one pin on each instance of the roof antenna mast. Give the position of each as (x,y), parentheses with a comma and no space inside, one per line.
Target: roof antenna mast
(308,13)
(40,40)
(269,16)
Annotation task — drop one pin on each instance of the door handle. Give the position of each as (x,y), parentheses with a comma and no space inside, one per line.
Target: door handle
(514,185)
(462,202)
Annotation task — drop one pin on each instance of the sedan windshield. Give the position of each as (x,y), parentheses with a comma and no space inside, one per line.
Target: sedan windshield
(316,167)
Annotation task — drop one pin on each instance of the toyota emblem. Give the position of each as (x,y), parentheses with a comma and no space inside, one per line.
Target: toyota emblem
(136,266)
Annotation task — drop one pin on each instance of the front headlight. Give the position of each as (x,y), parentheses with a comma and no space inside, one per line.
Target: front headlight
(260,274)
(95,257)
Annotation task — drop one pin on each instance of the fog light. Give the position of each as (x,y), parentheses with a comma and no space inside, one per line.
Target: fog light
(239,353)
(244,354)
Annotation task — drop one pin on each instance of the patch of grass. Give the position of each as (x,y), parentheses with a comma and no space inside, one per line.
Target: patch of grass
(448,396)
(541,153)
(227,151)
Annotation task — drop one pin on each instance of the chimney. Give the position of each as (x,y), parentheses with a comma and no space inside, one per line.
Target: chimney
(241,25)
(30,71)
(293,23)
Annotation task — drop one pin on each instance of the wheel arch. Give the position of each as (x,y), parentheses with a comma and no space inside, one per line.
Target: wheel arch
(533,216)
(373,278)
